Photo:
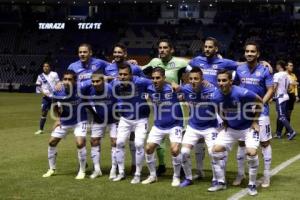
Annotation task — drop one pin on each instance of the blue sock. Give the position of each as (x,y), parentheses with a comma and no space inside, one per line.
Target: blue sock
(42,123)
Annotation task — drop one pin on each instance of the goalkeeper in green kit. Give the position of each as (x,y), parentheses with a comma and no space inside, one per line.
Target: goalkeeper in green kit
(174,69)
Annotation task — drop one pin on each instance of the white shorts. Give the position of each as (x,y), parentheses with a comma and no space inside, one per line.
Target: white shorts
(192,136)
(229,137)
(98,130)
(265,133)
(264,129)
(156,135)
(139,126)
(80,130)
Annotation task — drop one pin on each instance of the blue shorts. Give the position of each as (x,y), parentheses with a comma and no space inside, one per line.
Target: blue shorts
(46,104)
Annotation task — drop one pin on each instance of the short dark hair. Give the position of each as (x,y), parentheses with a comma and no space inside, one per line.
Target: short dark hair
(98,73)
(120,45)
(70,72)
(46,62)
(159,70)
(214,40)
(125,65)
(170,44)
(225,71)
(86,45)
(196,70)
(252,42)
(281,63)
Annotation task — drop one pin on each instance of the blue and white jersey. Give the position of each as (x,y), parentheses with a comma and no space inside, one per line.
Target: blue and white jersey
(203,110)
(257,80)
(85,72)
(46,83)
(282,80)
(112,70)
(166,107)
(101,102)
(72,110)
(237,107)
(132,103)
(211,66)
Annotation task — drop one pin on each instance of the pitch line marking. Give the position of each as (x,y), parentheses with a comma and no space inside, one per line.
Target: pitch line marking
(273,172)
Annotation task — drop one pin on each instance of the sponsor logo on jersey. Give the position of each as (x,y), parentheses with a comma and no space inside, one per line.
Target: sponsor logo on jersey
(214,66)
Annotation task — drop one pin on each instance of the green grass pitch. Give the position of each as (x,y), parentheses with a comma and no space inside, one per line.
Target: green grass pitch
(23,160)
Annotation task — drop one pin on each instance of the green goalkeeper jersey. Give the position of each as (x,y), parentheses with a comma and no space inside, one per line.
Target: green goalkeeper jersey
(171,67)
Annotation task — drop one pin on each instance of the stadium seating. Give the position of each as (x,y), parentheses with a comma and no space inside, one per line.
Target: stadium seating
(23,47)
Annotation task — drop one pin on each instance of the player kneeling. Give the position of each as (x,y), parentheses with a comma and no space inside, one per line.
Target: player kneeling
(240,123)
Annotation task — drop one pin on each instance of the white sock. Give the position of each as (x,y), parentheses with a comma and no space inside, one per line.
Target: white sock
(139,156)
(151,163)
(82,158)
(52,157)
(114,163)
(219,165)
(199,155)
(240,157)
(213,170)
(95,154)
(132,152)
(253,166)
(267,153)
(186,162)
(120,156)
(212,167)
(176,161)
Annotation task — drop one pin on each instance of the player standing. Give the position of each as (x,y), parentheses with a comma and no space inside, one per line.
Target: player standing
(210,64)
(70,116)
(255,77)
(111,71)
(281,85)
(174,68)
(120,56)
(101,100)
(293,90)
(45,84)
(134,111)
(168,119)
(86,64)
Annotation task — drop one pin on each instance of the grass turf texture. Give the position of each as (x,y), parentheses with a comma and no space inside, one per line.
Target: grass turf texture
(24,160)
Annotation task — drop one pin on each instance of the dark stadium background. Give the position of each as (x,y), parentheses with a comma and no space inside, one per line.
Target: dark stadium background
(139,24)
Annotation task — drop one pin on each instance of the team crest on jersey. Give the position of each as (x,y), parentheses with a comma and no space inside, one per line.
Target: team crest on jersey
(168,96)
(192,96)
(172,64)
(257,73)
(234,103)
(214,66)
(93,67)
(156,96)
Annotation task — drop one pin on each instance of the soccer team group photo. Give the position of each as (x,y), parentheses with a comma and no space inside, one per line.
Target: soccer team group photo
(184,100)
